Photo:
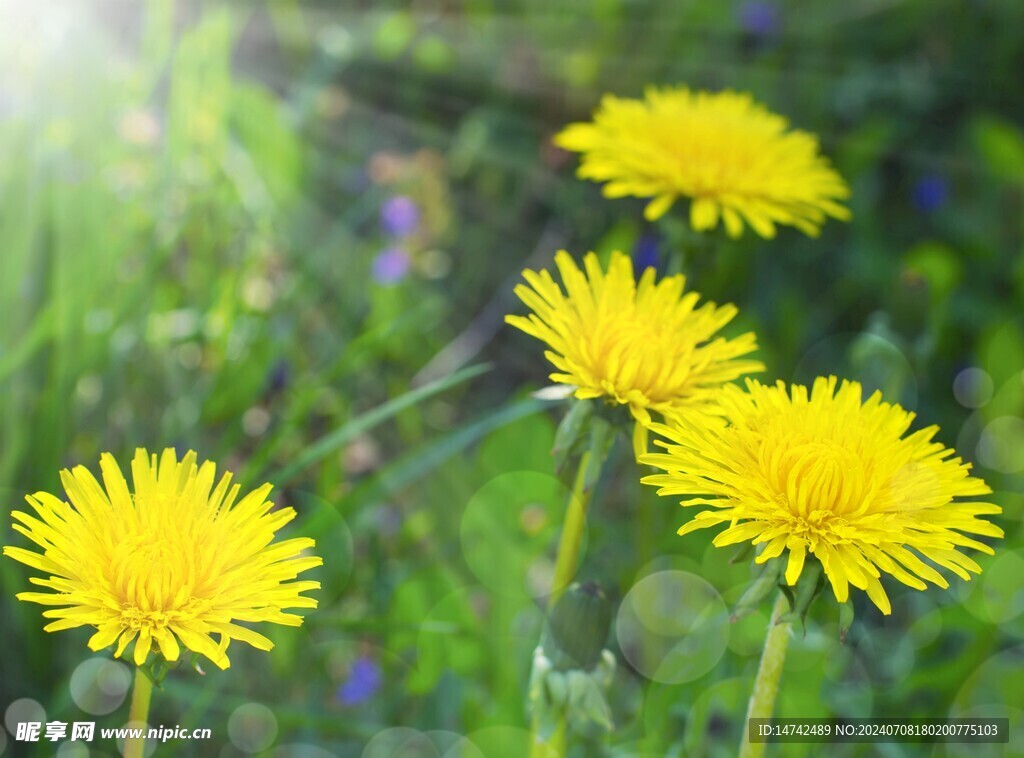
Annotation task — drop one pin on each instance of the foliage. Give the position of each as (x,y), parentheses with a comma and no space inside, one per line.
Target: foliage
(193,255)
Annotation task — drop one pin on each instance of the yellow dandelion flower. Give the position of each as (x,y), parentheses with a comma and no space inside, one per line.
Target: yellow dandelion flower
(730,155)
(642,344)
(828,475)
(171,563)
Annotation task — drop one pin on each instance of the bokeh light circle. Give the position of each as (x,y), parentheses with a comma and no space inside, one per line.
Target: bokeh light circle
(852,695)
(1002,593)
(453,744)
(865,357)
(301,750)
(1001,446)
(992,691)
(72,750)
(505,742)
(21,711)
(807,650)
(322,520)
(149,746)
(404,742)
(509,527)
(100,685)
(973,387)
(927,628)
(990,749)
(401,742)
(716,717)
(747,634)
(672,627)
(252,727)
(882,653)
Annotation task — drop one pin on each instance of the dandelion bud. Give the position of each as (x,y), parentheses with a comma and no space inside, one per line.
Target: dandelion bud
(578,627)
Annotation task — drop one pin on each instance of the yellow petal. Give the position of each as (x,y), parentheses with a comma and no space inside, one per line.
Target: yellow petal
(703,214)
(658,207)
(105,636)
(142,646)
(797,552)
(878,596)
(640,436)
(168,644)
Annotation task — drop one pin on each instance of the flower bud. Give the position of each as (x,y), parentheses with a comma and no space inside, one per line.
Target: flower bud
(577,627)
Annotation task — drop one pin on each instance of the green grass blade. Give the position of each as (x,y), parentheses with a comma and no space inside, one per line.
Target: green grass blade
(431,454)
(360,424)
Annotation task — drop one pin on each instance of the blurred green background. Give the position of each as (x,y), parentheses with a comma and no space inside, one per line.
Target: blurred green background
(252,229)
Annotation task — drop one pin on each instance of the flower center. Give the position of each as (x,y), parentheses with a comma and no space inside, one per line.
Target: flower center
(153,574)
(817,480)
(818,526)
(134,618)
(633,357)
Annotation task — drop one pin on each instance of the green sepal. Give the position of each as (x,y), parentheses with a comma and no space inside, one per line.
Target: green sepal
(746,550)
(571,430)
(810,583)
(155,669)
(759,589)
(573,695)
(586,703)
(790,596)
(546,694)
(845,620)
(194,663)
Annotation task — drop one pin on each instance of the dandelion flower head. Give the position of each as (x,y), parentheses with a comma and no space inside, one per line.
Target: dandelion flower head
(171,562)
(644,344)
(734,159)
(825,474)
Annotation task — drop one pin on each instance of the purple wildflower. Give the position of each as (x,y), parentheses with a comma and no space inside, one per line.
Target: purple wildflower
(758,17)
(391,266)
(930,193)
(645,253)
(363,681)
(279,376)
(399,216)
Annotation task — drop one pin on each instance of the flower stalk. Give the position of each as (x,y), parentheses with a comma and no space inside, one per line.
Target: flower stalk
(568,558)
(138,713)
(567,563)
(769,671)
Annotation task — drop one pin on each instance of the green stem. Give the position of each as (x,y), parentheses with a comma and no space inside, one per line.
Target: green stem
(553,746)
(138,713)
(766,685)
(566,564)
(568,560)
